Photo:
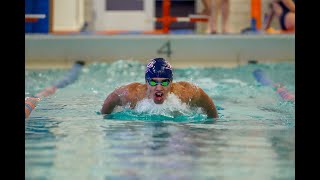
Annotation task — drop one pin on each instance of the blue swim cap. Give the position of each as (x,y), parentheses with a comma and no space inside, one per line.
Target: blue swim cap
(158,68)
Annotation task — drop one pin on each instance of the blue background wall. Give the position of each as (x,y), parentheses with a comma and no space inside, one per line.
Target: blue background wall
(37,7)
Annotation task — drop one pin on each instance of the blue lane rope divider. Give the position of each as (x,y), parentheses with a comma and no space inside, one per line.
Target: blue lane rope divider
(262,78)
(70,77)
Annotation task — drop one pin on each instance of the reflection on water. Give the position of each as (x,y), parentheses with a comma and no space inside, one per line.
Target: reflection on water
(90,149)
(66,137)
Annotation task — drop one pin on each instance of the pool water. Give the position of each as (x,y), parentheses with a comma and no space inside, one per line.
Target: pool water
(254,137)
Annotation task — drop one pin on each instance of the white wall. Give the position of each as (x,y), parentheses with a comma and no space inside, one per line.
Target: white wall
(68,15)
(217,50)
(131,20)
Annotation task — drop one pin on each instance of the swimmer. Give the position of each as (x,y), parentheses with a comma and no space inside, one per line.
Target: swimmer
(284,10)
(159,84)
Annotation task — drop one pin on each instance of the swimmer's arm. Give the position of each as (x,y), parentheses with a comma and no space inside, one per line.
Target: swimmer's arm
(206,103)
(110,103)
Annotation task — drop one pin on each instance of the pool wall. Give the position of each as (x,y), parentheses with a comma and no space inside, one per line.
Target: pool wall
(180,50)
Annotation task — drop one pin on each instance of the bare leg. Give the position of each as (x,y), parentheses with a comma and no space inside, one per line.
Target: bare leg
(207,11)
(225,15)
(207,7)
(213,20)
(270,15)
(277,9)
(290,21)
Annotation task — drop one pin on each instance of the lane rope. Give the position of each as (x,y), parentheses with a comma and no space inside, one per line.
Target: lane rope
(280,89)
(69,78)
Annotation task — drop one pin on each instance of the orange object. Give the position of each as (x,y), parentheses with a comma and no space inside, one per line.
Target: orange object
(30,104)
(166,19)
(271,30)
(256,12)
(31,19)
(153,32)
(47,91)
(198,19)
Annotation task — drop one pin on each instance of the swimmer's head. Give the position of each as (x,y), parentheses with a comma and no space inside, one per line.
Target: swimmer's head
(158,79)
(158,68)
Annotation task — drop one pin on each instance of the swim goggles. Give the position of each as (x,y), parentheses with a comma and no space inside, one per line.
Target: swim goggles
(165,82)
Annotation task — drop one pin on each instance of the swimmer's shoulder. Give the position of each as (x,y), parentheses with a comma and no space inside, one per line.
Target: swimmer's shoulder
(189,92)
(136,85)
(184,85)
(185,90)
(133,88)
(131,92)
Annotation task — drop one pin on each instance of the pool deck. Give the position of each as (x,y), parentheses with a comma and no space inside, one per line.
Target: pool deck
(43,51)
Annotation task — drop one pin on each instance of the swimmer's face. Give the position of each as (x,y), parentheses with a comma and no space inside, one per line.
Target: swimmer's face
(158,89)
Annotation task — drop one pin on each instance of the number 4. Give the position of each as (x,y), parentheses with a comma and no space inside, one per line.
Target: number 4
(165,49)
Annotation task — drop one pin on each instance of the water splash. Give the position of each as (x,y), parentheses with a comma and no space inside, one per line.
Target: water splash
(172,107)
(171,110)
